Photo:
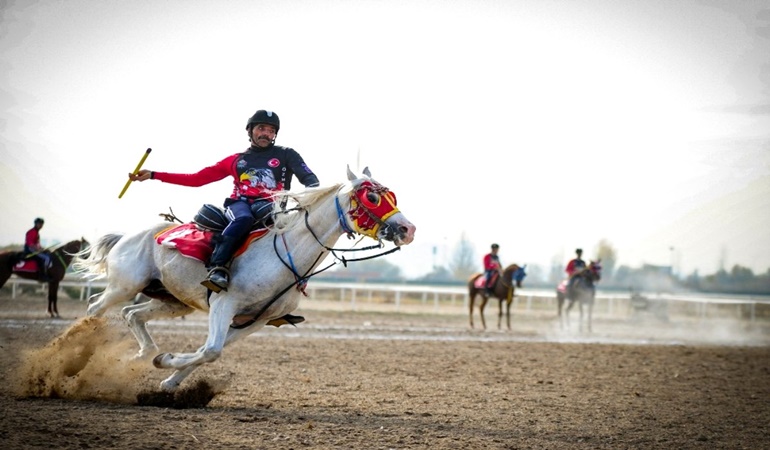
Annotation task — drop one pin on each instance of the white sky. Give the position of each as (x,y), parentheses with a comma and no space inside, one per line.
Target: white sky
(540,125)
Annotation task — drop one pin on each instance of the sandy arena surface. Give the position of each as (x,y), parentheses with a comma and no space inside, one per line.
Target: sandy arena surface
(376,380)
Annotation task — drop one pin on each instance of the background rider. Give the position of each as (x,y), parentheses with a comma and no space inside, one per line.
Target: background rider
(492,268)
(33,249)
(574,266)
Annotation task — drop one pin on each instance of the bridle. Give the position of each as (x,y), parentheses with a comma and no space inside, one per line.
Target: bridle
(371,204)
(59,252)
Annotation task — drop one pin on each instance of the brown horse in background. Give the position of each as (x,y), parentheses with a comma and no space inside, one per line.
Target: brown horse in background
(503,289)
(61,257)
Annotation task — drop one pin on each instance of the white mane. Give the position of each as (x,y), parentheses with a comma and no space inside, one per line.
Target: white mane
(298,203)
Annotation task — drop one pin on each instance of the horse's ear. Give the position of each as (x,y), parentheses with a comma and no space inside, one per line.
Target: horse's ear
(366,172)
(351,175)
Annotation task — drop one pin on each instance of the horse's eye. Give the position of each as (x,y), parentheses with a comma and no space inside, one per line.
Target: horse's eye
(373,197)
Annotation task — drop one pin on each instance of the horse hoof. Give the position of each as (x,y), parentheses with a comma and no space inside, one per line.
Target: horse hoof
(158,360)
(144,355)
(168,386)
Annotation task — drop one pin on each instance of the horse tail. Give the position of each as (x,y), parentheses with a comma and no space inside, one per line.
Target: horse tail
(92,261)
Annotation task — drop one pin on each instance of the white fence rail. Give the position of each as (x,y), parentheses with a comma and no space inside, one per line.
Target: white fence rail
(438,299)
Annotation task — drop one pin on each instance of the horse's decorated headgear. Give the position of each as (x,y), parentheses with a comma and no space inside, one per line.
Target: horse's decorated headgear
(371,204)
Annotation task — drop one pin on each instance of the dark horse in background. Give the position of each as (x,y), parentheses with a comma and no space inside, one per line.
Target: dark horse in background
(61,257)
(503,288)
(583,292)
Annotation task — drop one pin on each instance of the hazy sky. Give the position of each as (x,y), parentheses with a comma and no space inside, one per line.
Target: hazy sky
(540,125)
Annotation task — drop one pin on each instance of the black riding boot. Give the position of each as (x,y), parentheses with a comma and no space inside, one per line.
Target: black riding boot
(42,271)
(218,278)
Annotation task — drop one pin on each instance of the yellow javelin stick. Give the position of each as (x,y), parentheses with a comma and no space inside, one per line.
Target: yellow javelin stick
(138,166)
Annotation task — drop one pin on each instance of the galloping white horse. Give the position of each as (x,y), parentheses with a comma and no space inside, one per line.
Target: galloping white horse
(265,277)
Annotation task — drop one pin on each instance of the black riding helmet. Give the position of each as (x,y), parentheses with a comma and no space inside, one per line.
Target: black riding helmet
(39,220)
(266,117)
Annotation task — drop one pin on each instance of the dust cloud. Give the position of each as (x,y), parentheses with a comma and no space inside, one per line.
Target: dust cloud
(92,360)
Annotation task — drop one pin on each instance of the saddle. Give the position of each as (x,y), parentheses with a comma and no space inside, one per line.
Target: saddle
(28,264)
(481,282)
(195,239)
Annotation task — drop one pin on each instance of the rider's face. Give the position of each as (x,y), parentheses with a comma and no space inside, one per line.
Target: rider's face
(262,135)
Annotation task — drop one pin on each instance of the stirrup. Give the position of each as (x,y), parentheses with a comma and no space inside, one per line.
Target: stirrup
(217,284)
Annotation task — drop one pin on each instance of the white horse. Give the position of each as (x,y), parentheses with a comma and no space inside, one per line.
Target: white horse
(265,278)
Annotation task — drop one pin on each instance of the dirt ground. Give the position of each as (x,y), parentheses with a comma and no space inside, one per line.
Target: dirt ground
(356,380)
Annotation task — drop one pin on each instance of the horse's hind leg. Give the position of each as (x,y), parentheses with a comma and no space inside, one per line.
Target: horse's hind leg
(98,304)
(484,300)
(137,316)
(472,300)
(570,304)
(53,291)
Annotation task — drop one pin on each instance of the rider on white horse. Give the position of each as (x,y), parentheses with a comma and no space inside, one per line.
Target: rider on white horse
(258,173)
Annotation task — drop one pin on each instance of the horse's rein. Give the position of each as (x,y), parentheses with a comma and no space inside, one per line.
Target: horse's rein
(301,280)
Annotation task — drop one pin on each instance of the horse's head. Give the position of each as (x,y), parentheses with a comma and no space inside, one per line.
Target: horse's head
(515,273)
(74,247)
(595,269)
(373,211)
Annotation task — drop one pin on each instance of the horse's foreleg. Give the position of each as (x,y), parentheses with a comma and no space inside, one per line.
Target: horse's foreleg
(508,312)
(500,315)
(221,315)
(175,380)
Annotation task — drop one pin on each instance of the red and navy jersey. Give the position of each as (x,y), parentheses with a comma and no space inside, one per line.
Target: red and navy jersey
(575,265)
(32,241)
(257,172)
(491,262)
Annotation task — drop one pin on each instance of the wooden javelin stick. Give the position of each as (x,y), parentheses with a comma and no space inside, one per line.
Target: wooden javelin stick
(138,166)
